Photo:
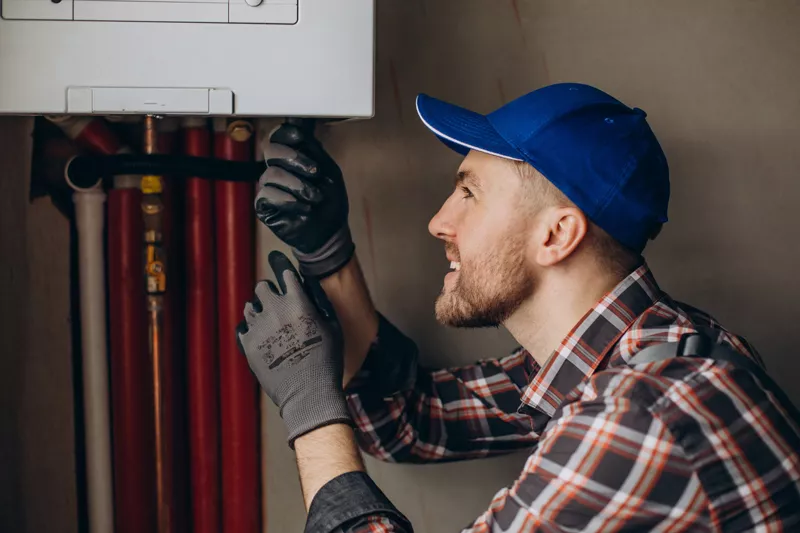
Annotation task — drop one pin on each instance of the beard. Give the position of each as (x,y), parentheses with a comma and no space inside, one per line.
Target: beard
(488,290)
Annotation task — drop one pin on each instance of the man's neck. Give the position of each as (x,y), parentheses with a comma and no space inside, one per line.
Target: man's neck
(559,303)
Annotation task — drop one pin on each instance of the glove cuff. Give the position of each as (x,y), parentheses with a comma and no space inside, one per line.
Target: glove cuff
(318,409)
(330,257)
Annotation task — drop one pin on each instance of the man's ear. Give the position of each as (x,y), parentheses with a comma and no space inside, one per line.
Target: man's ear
(560,230)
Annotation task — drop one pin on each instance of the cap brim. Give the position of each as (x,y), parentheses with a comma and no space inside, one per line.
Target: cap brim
(463,130)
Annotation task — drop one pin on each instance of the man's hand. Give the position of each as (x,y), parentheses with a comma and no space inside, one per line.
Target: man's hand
(297,357)
(308,211)
(303,200)
(295,353)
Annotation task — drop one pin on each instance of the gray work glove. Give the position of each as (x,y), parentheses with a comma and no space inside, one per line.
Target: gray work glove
(303,200)
(294,352)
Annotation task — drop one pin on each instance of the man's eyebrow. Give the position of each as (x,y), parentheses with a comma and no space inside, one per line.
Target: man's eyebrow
(467,177)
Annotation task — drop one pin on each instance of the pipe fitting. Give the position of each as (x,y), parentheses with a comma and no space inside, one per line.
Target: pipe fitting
(240,130)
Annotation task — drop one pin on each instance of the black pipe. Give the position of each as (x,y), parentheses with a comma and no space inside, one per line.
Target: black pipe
(86,170)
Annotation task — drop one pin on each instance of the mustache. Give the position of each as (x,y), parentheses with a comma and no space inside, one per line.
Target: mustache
(452,249)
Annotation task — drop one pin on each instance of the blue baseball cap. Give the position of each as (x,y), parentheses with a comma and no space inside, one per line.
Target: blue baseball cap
(596,150)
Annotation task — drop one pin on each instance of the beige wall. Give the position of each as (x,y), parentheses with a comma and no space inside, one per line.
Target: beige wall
(719,80)
(37,448)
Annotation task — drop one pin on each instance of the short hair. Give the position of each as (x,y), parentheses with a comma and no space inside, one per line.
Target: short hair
(612,254)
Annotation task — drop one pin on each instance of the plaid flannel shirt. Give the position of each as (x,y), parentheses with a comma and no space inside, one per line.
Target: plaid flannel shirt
(678,445)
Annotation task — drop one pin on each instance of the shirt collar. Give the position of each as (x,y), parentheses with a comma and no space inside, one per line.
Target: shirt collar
(586,346)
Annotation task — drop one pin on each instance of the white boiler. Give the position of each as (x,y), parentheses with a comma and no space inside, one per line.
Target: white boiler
(188,57)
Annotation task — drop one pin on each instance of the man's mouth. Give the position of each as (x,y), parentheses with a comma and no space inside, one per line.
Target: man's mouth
(452,275)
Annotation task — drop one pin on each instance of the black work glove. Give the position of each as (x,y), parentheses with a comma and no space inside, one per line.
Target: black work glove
(303,200)
(294,352)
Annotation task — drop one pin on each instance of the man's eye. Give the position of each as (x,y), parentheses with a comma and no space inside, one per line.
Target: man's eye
(467,192)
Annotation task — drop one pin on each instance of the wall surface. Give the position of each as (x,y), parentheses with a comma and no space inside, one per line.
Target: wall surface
(719,81)
(37,439)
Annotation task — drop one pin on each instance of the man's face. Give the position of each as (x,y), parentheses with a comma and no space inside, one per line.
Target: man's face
(485,233)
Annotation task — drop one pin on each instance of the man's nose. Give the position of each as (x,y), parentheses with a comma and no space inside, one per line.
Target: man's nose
(441,226)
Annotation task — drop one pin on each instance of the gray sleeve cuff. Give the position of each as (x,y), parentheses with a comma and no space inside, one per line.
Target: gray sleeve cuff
(390,366)
(348,501)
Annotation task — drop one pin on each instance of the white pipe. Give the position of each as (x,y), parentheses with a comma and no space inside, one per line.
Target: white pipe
(90,219)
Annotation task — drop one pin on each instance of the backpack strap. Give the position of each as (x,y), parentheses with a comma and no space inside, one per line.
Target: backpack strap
(691,344)
(701,345)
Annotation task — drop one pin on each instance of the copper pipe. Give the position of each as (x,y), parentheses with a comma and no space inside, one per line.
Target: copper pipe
(156,285)
(150,143)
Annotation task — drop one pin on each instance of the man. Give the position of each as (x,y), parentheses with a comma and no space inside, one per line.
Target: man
(554,202)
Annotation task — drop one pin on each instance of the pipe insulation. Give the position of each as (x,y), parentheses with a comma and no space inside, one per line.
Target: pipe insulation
(131,384)
(131,380)
(235,281)
(89,219)
(90,133)
(85,170)
(201,338)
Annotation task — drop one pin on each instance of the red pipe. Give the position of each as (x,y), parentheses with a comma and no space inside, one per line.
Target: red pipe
(131,380)
(97,136)
(238,390)
(90,133)
(201,339)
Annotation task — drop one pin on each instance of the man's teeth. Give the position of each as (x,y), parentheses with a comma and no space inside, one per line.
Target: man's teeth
(455,265)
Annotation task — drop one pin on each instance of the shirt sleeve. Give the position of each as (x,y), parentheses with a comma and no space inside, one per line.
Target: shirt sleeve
(405,413)
(601,465)
(352,503)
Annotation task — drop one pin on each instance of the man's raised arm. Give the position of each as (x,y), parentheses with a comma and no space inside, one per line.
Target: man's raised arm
(348,294)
